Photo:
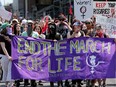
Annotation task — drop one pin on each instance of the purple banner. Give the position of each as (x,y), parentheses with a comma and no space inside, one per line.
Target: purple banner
(76,58)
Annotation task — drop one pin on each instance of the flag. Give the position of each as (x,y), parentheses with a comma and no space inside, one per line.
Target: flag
(70,9)
(46,25)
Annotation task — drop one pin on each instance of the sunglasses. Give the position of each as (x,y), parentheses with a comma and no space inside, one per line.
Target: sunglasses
(87,23)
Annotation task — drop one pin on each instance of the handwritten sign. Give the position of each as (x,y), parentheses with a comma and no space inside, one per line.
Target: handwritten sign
(6,15)
(108,24)
(104,8)
(83,9)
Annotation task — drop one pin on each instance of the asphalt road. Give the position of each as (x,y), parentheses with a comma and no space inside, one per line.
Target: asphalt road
(109,83)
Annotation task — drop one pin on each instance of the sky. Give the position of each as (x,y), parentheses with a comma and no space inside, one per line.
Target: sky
(6,1)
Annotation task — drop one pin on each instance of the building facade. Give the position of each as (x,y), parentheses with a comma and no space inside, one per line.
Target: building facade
(20,8)
(36,9)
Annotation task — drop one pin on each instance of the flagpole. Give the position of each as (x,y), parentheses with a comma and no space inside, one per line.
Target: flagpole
(69,14)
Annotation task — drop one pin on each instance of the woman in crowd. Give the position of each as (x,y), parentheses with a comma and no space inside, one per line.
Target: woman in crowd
(38,29)
(54,35)
(30,33)
(75,33)
(100,34)
(17,31)
(76,30)
(5,54)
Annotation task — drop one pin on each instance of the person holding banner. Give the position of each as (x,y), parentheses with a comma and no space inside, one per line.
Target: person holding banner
(75,33)
(17,31)
(90,28)
(54,35)
(94,30)
(1,72)
(30,33)
(100,34)
(63,27)
(5,54)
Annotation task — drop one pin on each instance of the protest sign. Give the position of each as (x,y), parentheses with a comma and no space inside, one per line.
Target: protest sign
(104,8)
(108,25)
(83,9)
(6,15)
(82,58)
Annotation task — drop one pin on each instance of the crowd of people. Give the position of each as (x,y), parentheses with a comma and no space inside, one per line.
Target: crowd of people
(54,29)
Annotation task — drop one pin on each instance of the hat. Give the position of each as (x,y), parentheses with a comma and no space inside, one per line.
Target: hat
(4,25)
(51,26)
(62,17)
(76,24)
(98,26)
(24,21)
(29,21)
(88,20)
(15,20)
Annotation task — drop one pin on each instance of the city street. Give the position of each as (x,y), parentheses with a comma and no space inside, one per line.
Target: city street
(110,83)
(71,43)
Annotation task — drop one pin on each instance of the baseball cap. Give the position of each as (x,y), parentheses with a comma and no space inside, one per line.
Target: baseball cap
(4,25)
(98,26)
(30,21)
(15,20)
(61,17)
(24,21)
(76,24)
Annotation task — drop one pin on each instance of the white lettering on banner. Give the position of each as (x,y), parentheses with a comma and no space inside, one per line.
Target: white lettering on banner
(78,46)
(35,64)
(28,57)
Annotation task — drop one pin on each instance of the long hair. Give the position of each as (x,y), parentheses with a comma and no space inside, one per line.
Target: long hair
(15,30)
(52,28)
(4,31)
(29,30)
(39,28)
